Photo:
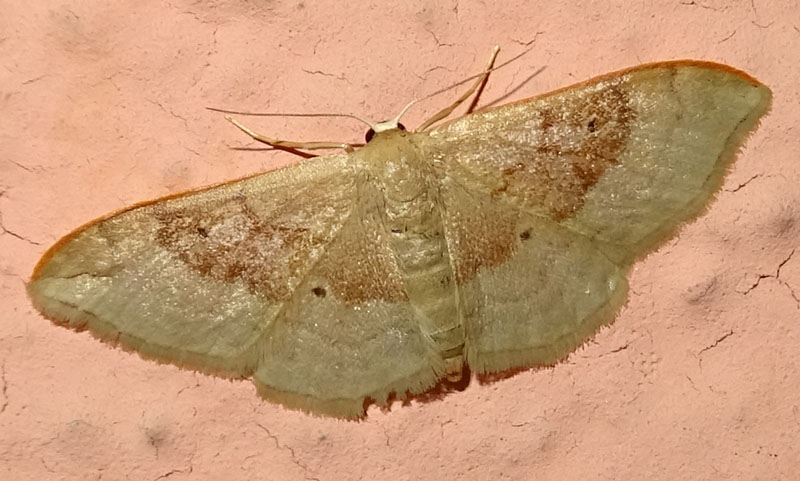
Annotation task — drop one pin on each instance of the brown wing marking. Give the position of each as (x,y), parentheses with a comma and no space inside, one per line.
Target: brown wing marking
(546,155)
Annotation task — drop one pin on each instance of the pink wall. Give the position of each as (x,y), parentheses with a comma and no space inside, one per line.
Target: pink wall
(103,105)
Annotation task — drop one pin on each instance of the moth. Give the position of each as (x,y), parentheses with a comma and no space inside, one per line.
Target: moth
(499,240)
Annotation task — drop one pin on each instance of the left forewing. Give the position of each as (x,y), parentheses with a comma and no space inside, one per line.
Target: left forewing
(196,278)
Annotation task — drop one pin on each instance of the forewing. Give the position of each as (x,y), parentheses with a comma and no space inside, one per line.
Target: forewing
(622,159)
(348,334)
(548,201)
(197,278)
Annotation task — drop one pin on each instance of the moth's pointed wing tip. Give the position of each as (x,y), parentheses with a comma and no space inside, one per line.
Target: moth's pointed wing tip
(52,310)
(42,288)
(764,94)
(41,265)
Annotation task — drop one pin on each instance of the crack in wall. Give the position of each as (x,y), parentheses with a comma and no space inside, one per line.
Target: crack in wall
(693,3)
(326,74)
(175,471)
(186,470)
(3,230)
(21,166)
(528,43)
(4,388)
(170,112)
(752,178)
(777,277)
(291,452)
(439,43)
(712,346)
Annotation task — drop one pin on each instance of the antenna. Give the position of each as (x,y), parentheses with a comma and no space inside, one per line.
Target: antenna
(278,114)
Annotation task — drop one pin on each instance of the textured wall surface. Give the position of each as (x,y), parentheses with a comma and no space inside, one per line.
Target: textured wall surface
(103,105)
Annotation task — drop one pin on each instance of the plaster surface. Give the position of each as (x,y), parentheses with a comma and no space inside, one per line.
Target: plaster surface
(103,105)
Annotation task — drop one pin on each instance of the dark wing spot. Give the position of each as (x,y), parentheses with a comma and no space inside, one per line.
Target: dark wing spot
(548,118)
(484,235)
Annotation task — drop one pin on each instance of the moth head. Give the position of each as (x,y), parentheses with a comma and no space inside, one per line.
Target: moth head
(383,127)
(386,125)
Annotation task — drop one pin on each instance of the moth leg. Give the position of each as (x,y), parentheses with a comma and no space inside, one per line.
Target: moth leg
(287,144)
(479,83)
